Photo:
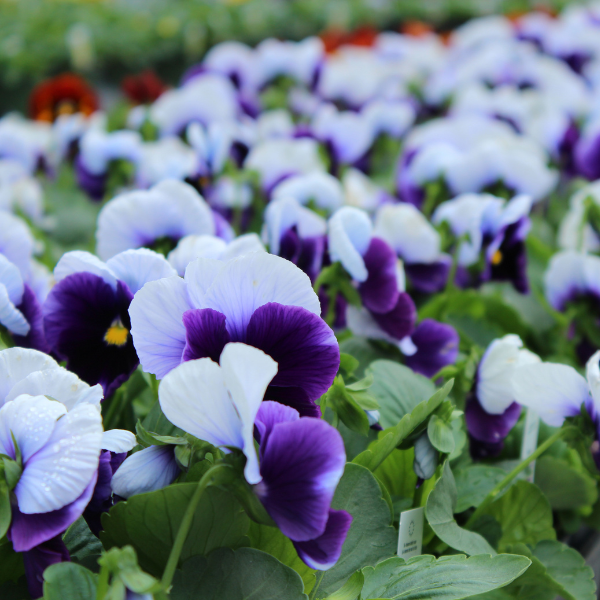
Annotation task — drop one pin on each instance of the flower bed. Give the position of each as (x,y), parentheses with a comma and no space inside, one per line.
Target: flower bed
(319,322)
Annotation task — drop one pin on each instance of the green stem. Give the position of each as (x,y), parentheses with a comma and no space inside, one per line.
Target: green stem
(518,469)
(184,529)
(313,594)
(102,588)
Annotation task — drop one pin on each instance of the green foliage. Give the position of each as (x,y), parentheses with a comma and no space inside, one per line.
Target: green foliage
(83,546)
(244,574)
(473,483)
(149,522)
(440,509)
(371,538)
(69,581)
(524,514)
(445,578)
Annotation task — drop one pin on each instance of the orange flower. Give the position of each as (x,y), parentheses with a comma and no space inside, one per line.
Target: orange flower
(334,38)
(143,88)
(64,94)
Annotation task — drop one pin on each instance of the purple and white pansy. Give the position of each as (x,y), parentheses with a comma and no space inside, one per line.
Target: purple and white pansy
(259,299)
(491,233)
(300,459)
(86,318)
(491,410)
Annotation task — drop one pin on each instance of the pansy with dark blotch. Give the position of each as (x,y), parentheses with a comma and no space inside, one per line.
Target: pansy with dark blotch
(492,410)
(86,315)
(59,453)
(301,459)
(388,312)
(494,232)
(296,233)
(259,299)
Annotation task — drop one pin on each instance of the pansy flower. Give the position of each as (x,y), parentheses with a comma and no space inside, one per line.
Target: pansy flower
(321,189)
(388,313)
(57,455)
(417,244)
(491,410)
(296,233)
(300,459)
(86,315)
(494,232)
(259,299)
(157,218)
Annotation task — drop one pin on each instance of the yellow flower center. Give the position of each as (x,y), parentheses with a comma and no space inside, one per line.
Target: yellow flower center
(497,258)
(116,334)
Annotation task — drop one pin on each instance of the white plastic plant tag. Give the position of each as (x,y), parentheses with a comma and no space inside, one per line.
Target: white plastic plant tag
(529,445)
(410,536)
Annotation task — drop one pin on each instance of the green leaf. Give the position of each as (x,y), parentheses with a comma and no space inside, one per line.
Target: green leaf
(473,484)
(149,522)
(271,540)
(351,589)
(157,422)
(244,574)
(397,474)
(350,413)
(566,487)
(69,581)
(83,546)
(440,435)
(348,363)
(397,389)
(11,563)
(5,509)
(122,564)
(391,438)
(447,578)
(370,538)
(366,351)
(525,515)
(440,509)
(149,438)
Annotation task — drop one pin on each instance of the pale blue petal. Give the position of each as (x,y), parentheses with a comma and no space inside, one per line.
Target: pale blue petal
(137,267)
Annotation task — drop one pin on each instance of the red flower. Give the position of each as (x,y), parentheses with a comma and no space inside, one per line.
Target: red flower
(143,88)
(64,94)
(334,38)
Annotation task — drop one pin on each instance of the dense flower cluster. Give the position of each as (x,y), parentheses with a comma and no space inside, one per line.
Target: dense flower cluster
(292,249)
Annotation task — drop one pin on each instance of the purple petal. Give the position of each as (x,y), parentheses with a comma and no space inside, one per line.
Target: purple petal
(302,462)
(93,185)
(269,414)
(587,156)
(428,278)
(302,344)
(77,314)
(38,559)
(400,321)
(437,347)
(28,531)
(205,334)
(379,292)
(490,429)
(32,311)
(306,253)
(324,551)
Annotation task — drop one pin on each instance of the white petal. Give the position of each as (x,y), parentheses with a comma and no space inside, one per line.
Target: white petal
(409,232)
(200,274)
(118,440)
(148,470)
(349,237)
(564,277)
(192,247)
(10,316)
(79,261)
(252,280)
(494,389)
(58,384)
(17,363)
(137,267)
(248,372)
(157,328)
(249,242)
(324,189)
(554,391)
(12,280)
(59,472)
(360,322)
(194,396)
(31,420)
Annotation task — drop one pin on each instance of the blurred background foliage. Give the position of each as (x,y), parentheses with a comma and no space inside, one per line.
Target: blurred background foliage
(108,39)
